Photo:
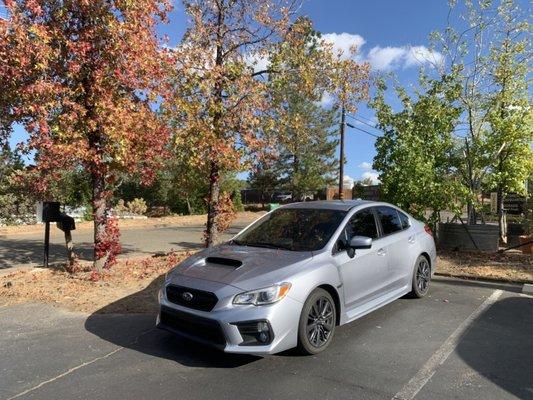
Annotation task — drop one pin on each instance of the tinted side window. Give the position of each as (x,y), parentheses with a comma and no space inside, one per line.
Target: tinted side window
(390,222)
(404,220)
(362,224)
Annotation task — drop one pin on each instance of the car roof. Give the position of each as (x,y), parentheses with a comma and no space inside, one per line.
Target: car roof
(343,205)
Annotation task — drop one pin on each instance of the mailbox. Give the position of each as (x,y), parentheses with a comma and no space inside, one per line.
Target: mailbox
(66,223)
(48,211)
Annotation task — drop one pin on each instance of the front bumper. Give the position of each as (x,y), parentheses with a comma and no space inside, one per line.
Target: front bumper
(218,328)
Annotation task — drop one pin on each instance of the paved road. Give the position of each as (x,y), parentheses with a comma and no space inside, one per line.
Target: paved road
(464,341)
(27,250)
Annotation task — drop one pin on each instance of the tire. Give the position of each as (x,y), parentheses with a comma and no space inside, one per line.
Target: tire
(321,327)
(421,278)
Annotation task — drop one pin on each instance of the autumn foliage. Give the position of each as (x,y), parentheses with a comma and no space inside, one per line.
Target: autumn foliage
(82,77)
(87,79)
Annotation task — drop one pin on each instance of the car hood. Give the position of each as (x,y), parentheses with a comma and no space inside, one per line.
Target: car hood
(244,267)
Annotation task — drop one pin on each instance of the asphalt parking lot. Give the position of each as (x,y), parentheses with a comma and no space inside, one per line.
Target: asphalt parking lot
(464,341)
(26,250)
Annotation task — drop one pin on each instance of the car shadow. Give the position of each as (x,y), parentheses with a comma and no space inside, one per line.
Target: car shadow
(130,323)
(499,345)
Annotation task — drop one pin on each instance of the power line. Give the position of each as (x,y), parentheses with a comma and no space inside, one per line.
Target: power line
(362,130)
(363,122)
(366,121)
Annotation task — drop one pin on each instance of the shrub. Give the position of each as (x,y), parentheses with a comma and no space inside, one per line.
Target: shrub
(237,201)
(137,206)
(121,208)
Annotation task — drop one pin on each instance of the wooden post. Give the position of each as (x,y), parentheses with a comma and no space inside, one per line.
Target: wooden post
(46,244)
(70,247)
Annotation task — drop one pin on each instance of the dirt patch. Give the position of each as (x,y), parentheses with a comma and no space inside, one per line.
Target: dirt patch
(131,286)
(508,266)
(175,220)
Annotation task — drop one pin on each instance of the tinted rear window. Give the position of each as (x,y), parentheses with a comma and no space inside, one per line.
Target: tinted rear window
(390,222)
(404,220)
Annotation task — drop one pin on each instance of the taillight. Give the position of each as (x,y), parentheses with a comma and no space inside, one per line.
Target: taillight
(428,230)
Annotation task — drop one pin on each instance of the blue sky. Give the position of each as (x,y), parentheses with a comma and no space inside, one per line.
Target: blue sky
(391,34)
(387,29)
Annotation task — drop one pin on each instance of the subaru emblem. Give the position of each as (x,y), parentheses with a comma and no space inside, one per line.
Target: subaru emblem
(187,296)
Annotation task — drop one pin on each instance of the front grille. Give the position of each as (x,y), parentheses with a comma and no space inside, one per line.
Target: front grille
(191,298)
(193,326)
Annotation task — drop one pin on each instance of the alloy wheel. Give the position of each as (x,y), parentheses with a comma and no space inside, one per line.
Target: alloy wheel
(320,322)
(423,275)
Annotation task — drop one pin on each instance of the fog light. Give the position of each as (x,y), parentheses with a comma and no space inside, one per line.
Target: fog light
(255,333)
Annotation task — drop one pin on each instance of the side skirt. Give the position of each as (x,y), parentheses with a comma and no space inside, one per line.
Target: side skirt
(373,305)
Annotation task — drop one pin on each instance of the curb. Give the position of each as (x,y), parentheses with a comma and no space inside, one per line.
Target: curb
(527,289)
(481,279)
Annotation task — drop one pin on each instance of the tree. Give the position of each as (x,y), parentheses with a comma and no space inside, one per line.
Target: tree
(217,95)
(265,178)
(86,103)
(510,114)
(15,202)
(306,146)
(490,58)
(415,151)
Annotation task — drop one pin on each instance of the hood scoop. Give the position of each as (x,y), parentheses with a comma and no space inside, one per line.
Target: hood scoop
(225,262)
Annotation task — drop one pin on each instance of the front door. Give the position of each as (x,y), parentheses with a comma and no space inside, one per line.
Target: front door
(363,275)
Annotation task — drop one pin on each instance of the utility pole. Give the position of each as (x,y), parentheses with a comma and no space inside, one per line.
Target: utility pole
(341,157)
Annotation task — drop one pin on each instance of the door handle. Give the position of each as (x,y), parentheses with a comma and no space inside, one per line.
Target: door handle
(381,252)
(411,239)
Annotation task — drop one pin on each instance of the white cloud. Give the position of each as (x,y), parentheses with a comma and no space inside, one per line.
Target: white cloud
(365,165)
(369,172)
(372,175)
(387,58)
(347,182)
(343,42)
(417,55)
(258,61)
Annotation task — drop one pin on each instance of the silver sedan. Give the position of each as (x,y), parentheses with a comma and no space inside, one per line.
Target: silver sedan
(292,276)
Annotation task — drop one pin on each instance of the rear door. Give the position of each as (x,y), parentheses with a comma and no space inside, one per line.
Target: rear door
(398,242)
(363,275)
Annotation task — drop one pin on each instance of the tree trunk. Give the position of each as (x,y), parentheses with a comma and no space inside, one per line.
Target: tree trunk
(212,205)
(502,223)
(100,221)
(189,208)
(471,213)
(214,174)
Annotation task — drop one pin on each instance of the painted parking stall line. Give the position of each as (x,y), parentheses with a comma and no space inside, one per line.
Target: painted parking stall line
(424,374)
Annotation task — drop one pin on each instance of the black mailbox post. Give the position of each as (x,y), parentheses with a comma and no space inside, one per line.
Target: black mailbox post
(49,211)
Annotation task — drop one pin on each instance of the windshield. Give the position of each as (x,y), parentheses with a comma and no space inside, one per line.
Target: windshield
(292,229)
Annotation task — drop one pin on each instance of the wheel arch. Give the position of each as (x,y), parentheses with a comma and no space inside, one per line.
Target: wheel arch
(336,299)
(427,257)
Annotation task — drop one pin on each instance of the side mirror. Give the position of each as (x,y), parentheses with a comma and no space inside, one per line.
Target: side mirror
(360,242)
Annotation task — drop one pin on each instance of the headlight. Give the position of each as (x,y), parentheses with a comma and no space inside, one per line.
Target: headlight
(267,295)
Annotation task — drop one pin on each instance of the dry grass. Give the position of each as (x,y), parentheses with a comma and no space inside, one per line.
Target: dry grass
(130,286)
(508,266)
